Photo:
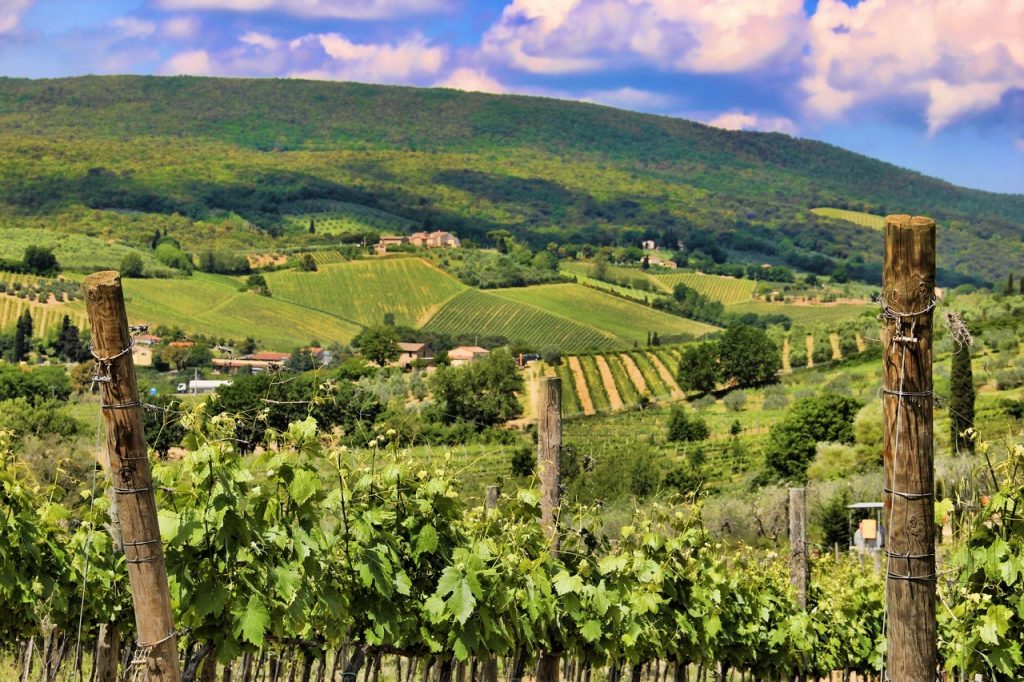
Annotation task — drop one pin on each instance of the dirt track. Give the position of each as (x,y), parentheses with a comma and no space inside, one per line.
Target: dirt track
(635,375)
(581,385)
(609,383)
(666,376)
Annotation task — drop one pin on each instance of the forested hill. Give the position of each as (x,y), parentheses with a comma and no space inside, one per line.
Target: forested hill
(549,170)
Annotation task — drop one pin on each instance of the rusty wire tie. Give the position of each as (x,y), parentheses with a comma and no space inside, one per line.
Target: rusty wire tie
(136,544)
(908,496)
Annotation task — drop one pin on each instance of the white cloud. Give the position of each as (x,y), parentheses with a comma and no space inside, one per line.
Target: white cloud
(191,63)
(180,28)
(471,80)
(132,27)
(957,57)
(319,56)
(739,120)
(333,9)
(697,36)
(11,12)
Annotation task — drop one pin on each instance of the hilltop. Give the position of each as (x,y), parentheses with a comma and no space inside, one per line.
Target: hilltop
(223,162)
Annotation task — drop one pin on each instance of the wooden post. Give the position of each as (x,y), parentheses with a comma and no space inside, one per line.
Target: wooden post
(130,474)
(799,575)
(908,283)
(491,498)
(549,447)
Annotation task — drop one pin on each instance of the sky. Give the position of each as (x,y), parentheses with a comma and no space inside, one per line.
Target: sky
(932,85)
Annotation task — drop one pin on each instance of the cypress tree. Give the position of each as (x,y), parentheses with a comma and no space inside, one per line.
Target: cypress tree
(961,401)
(1009,285)
(22,336)
(1020,285)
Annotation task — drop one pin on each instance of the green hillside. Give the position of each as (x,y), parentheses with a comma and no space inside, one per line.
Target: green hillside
(213,305)
(118,155)
(363,291)
(624,319)
(477,312)
(728,290)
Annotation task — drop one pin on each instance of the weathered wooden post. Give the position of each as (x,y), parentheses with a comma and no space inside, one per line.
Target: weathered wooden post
(131,477)
(549,447)
(908,301)
(799,575)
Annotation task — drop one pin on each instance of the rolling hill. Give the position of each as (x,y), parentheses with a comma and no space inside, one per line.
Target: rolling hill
(85,154)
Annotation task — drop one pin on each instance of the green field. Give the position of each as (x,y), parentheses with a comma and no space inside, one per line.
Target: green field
(728,290)
(339,217)
(477,312)
(875,222)
(213,305)
(363,291)
(598,396)
(627,391)
(75,251)
(820,313)
(627,321)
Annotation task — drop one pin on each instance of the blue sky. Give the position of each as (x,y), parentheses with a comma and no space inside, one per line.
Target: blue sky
(932,85)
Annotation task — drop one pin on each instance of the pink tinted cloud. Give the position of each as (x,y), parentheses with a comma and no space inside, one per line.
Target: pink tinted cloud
(957,57)
(696,36)
(740,120)
(333,9)
(11,12)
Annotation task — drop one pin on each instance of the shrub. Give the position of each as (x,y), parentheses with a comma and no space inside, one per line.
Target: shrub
(735,401)
(682,427)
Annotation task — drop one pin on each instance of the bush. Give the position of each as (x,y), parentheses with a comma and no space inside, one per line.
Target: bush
(131,265)
(735,400)
(793,441)
(682,427)
(822,349)
(551,355)
(775,398)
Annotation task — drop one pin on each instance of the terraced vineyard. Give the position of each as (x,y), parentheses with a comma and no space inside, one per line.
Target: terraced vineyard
(823,313)
(728,290)
(339,217)
(875,222)
(477,312)
(363,291)
(627,321)
(327,257)
(213,305)
(43,316)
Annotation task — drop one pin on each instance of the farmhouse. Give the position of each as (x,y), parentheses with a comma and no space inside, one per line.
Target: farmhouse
(435,240)
(463,355)
(412,352)
(661,262)
(390,240)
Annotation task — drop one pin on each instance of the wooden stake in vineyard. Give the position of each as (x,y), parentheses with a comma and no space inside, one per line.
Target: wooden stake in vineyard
(908,301)
(131,477)
(799,575)
(549,448)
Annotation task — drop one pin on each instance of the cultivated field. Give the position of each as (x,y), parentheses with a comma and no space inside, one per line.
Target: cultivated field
(411,289)
(339,217)
(477,312)
(728,290)
(76,252)
(43,316)
(213,305)
(625,320)
(871,220)
(819,313)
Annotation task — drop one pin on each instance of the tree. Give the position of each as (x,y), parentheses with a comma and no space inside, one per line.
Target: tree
(748,356)
(22,337)
(69,343)
(792,442)
(257,284)
(39,260)
(961,400)
(482,393)
(307,263)
(132,265)
(551,355)
(1008,290)
(378,344)
(312,226)
(600,270)
(835,521)
(684,428)
(300,361)
(698,368)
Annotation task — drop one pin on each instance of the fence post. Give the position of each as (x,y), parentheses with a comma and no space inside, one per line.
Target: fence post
(131,476)
(799,575)
(549,447)
(908,282)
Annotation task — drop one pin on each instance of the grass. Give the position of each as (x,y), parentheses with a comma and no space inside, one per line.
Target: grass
(570,398)
(364,291)
(628,322)
(875,222)
(339,217)
(478,312)
(213,305)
